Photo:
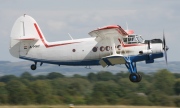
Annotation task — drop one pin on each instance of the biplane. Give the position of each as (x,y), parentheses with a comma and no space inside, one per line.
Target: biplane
(108,46)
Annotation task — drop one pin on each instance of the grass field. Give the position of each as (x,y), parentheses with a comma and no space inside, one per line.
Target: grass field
(58,106)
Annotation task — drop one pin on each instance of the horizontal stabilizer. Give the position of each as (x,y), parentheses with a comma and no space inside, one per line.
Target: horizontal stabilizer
(112,60)
(27,38)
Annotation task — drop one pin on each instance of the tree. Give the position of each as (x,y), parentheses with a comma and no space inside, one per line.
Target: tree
(105,76)
(177,87)
(7,78)
(161,99)
(122,75)
(139,100)
(92,77)
(43,92)
(97,98)
(19,93)
(177,101)
(176,75)
(3,94)
(144,86)
(71,89)
(27,75)
(54,75)
(164,81)
(78,76)
(79,86)
(40,77)
(126,87)
(105,92)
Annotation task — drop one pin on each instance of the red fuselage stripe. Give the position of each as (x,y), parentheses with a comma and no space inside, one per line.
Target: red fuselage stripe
(43,41)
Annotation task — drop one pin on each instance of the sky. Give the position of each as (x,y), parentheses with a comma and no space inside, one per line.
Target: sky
(57,18)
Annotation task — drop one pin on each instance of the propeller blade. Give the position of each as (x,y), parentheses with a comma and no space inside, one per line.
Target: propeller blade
(165,54)
(164,41)
(165,48)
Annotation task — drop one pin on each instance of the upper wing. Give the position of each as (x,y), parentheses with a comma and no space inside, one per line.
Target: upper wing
(111,31)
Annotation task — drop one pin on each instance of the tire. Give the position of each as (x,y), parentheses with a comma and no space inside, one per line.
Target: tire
(33,67)
(139,77)
(135,77)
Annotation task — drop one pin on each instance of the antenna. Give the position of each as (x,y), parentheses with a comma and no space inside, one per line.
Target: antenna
(70,36)
(127,26)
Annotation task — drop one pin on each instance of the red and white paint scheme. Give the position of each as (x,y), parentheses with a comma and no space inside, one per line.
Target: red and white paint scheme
(107,46)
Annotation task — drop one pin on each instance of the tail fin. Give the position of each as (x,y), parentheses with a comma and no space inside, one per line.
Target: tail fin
(25,32)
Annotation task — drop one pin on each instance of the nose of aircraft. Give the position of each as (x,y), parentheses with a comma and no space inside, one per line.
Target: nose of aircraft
(167,48)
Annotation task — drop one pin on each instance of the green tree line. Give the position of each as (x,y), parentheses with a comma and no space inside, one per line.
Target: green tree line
(161,88)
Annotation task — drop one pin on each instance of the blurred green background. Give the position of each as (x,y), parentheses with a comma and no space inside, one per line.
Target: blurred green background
(161,88)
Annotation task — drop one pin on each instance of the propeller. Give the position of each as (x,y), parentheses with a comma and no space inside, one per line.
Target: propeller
(165,47)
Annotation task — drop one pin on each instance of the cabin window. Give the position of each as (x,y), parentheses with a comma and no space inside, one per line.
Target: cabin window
(94,49)
(74,50)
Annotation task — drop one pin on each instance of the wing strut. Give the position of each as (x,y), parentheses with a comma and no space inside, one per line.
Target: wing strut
(114,58)
(113,46)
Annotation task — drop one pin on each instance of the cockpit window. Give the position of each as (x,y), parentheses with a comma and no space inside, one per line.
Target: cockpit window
(131,39)
(140,39)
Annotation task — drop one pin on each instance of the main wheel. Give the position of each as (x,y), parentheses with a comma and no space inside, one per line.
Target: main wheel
(140,77)
(135,77)
(33,67)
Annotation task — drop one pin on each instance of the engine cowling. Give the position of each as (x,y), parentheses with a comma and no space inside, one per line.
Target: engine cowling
(146,52)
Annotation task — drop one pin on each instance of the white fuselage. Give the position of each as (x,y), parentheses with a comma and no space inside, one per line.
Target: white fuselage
(79,50)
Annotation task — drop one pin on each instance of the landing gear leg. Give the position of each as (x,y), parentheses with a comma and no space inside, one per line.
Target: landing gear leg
(134,76)
(33,66)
